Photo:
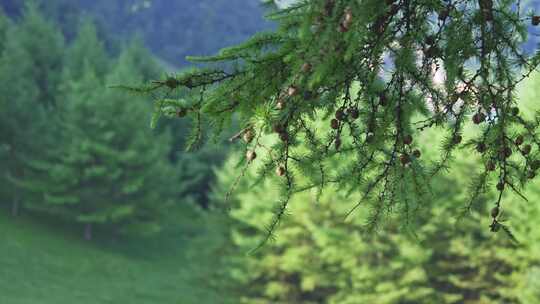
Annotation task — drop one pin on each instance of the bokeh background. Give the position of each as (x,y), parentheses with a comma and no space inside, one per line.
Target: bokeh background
(97,207)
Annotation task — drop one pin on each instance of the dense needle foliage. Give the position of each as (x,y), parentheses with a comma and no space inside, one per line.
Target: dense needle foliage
(379,73)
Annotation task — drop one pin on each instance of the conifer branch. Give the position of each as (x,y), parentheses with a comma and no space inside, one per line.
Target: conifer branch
(414,65)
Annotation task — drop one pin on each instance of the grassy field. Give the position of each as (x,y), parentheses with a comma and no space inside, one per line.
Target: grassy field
(48,263)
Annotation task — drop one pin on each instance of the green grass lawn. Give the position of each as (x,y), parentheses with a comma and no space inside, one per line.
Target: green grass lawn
(49,263)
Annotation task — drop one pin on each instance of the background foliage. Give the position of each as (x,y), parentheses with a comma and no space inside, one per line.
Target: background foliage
(171,29)
(74,148)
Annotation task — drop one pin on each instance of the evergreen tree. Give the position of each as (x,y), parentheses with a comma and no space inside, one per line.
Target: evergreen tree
(384,71)
(23,119)
(86,51)
(105,171)
(43,40)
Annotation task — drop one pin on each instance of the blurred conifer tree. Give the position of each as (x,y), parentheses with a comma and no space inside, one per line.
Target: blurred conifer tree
(29,75)
(107,168)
